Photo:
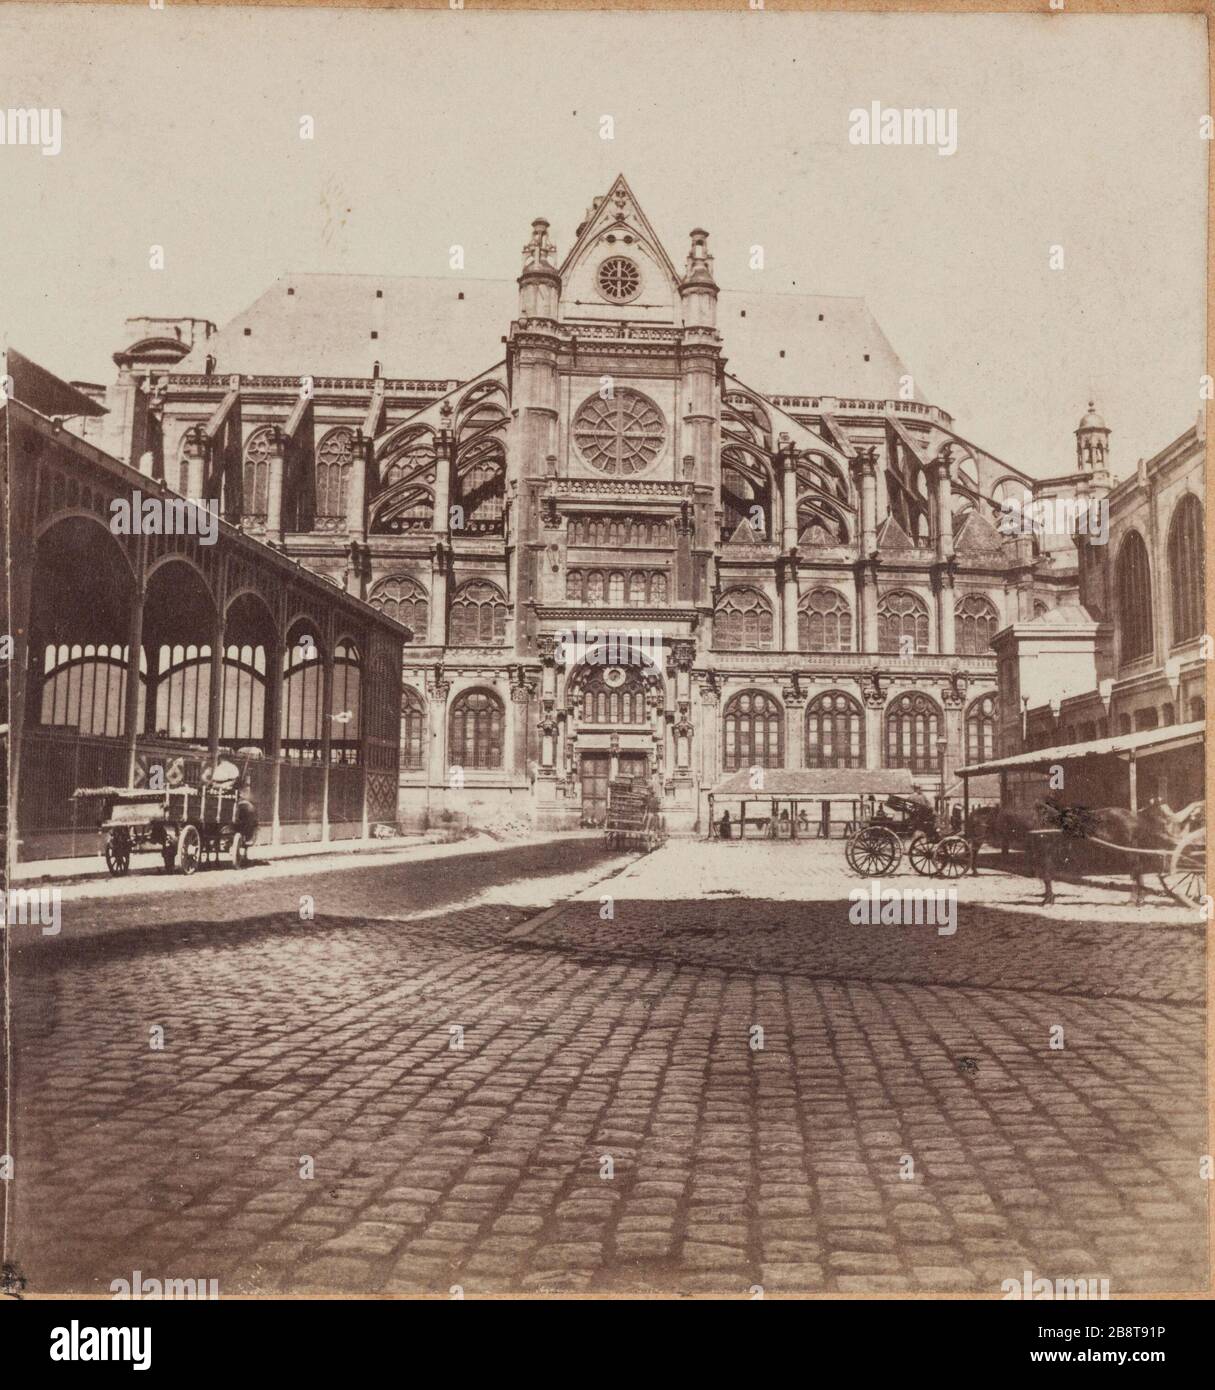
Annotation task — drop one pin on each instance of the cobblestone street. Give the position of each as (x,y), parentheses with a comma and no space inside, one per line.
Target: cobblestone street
(922,1111)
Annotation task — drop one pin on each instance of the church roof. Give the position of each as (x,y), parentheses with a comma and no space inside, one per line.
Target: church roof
(451,328)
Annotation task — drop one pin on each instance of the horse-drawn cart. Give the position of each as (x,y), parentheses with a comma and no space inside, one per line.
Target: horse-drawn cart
(879,845)
(633,815)
(186,826)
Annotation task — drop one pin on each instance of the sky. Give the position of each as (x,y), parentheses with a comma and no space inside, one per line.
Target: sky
(181,129)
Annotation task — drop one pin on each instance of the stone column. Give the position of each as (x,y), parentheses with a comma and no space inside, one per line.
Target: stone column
(795,724)
(789,598)
(946,600)
(437,634)
(274,500)
(356,501)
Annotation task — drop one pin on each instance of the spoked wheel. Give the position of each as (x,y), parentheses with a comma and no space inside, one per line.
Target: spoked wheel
(951,856)
(1186,877)
(875,850)
(239,851)
(189,849)
(920,852)
(117,852)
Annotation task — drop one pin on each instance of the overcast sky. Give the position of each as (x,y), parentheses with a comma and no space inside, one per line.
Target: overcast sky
(181,128)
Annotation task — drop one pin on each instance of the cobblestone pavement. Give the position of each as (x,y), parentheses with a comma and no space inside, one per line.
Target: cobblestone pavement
(611,1121)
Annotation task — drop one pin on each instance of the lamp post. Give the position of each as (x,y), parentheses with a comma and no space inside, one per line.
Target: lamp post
(942,749)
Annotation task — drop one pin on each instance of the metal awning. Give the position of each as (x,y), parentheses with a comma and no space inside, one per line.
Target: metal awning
(1166,740)
(836,783)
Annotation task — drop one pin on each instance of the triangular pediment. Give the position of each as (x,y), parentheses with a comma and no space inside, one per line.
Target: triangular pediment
(616,229)
(977,536)
(891,536)
(745,534)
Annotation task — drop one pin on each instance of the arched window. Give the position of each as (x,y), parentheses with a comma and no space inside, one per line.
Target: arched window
(612,695)
(913,725)
(303,713)
(1134,590)
(981,729)
(594,587)
(413,727)
(182,691)
(84,687)
(345,713)
(637,588)
(476,730)
(976,622)
(481,493)
(255,497)
(835,731)
(902,615)
(615,589)
(478,615)
(403,598)
(743,619)
(573,586)
(753,732)
(334,467)
(658,588)
(1187,569)
(243,696)
(824,622)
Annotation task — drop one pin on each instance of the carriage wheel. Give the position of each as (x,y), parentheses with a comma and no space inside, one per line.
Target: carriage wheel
(876,850)
(189,849)
(117,852)
(920,852)
(239,851)
(951,856)
(1186,877)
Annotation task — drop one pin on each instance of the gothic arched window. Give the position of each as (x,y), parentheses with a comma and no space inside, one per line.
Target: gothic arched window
(573,586)
(403,598)
(976,622)
(594,587)
(613,695)
(637,588)
(1187,569)
(615,589)
(413,726)
(743,619)
(753,730)
(824,622)
(476,730)
(913,726)
(658,588)
(1134,590)
(255,500)
(835,731)
(334,468)
(981,729)
(902,615)
(478,615)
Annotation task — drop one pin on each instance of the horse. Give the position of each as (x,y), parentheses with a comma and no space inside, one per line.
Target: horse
(1154,827)
(996,825)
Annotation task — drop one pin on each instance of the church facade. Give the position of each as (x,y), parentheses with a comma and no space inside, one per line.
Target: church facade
(636,525)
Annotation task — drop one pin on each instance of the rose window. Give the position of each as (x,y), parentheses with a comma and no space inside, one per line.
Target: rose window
(622,435)
(619,279)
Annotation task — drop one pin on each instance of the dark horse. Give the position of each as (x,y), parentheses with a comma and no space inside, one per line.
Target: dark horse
(1078,838)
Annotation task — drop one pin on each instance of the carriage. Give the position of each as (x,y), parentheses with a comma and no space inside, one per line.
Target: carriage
(907,825)
(186,825)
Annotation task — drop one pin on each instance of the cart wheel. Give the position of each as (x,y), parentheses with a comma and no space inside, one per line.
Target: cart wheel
(920,853)
(117,852)
(951,856)
(189,849)
(876,850)
(1186,877)
(239,851)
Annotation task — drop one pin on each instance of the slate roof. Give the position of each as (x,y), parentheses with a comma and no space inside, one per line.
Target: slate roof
(322,324)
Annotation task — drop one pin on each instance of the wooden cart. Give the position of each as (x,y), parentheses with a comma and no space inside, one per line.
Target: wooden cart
(633,817)
(186,826)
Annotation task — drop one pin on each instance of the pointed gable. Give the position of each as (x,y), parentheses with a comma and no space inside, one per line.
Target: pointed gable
(617,268)
(892,537)
(745,534)
(977,536)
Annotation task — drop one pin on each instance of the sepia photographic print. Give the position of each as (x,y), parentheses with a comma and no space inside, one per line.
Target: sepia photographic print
(606,658)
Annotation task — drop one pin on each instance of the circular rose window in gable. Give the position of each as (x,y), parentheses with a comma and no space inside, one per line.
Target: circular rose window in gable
(619,279)
(622,435)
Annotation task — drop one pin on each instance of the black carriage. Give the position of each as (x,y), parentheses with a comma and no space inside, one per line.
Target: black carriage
(907,825)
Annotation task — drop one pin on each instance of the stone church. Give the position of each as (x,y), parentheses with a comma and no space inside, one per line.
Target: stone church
(795,555)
